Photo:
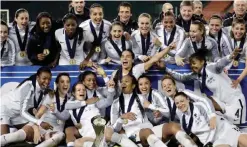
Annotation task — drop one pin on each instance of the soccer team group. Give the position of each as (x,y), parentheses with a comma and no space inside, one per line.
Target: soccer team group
(136,114)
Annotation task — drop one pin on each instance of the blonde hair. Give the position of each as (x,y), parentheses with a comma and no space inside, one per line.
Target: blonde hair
(145,15)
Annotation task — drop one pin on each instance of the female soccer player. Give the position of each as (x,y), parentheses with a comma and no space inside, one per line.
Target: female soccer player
(195,120)
(197,41)
(19,33)
(113,47)
(145,42)
(71,41)
(16,104)
(169,32)
(220,35)
(239,40)
(53,111)
(225,98)
(7,47)
(42,47)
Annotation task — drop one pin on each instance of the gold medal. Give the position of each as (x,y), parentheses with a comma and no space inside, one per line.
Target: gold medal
(235,63)
(46,52)
(22,54)
(97,49)
(72,61)
(78,126)
(125,121)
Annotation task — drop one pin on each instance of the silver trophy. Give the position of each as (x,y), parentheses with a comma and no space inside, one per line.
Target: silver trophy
(98,124)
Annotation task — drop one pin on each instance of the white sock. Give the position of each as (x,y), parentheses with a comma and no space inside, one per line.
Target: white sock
(88,144)
(122,140)
(70,144)
(154,141)
(17,136)
(53,141)
(184,139)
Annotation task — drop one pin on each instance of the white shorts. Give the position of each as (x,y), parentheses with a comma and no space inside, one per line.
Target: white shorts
(236,112)
(226,133)
(10,117)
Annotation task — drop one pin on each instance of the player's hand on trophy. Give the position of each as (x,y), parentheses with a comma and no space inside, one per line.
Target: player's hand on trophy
(46,125)
(129,116)
(146,104)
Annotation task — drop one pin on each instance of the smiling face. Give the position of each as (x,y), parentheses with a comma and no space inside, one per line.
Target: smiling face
(116,32)
(22,20)
(126,59)
(63,85)
(127,85)
(186,12)
(124,14)
(196,34)
(238,31)
(144,85)
(78,5)
(182,103)
(239,7)
(214,26)
(4,32)
(70,26)
(80,92)
(90,82)
(169,23)
(196,65)
(45,24)
(144,24)
(44,79)
(168,87)
(96,15)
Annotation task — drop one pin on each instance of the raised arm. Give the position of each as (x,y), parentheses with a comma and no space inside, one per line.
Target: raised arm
(158,56)
(181,76)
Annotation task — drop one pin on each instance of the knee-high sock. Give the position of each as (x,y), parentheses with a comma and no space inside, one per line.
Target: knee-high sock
(183,138)
(53,141)
(154,141)
(122,140)
(17,136)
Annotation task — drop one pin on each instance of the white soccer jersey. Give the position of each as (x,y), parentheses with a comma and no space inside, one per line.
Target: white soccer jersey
(132,126)
(88,35)
(231,100)
(138,47)
(225,133)
(223,41)
(18,101)
(187,48)
(177,35)
(89,112)
(108,50)
(56,118)
(20,61)
(65,58)
(243,53)
(7,53)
